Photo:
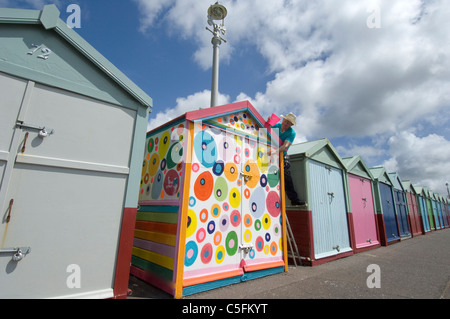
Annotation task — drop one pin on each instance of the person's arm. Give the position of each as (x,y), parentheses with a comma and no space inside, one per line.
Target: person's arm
(285,146)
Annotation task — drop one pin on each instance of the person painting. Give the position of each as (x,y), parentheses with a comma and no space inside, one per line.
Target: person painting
(287,135)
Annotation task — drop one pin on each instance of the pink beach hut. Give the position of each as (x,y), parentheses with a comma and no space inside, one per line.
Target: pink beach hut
(363,224)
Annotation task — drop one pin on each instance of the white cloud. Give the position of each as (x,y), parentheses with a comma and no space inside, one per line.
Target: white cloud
(193,102)
(423,160)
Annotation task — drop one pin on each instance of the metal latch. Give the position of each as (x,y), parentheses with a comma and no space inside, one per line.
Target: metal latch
(43,132)
(246,248)
(19,253)
(337,248)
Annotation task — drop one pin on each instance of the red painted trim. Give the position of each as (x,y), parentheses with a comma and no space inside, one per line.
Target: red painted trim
(317,262)
(229,108)
(124,254)
(219,110)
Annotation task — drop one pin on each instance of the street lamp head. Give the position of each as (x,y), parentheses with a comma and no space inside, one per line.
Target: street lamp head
(217,12)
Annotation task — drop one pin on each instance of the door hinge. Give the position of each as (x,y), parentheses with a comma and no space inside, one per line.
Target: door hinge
(8,218)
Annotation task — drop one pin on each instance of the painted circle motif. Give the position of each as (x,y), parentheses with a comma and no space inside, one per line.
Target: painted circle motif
(144,167)
(251,168)
(191,223)
(190,254)
(164,144)
(220,254)
(248,221)
(203,186)
(206,253)
(262,159)
(195,167)
(266,221)
(171,183)
(231,243)
(231,172)
(163,164)
(273,176)
(258,225)
(221,189)
(211,227)
(151,145)
(217,238)
(276,230)
(224,223)
(257,203)
(273,248)
(157,185)
(215,210)
(205,149)
(247,236)
(175,155)
(235,198)
(273,204)
(203,215)
(153,164)
(227,149)
(259,244)
(218,168)
(201,235)
(235,218)
(263,180)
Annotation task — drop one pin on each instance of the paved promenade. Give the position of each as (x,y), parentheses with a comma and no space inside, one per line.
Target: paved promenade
(416,268)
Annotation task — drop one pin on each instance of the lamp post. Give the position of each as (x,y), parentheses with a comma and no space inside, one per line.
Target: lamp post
(216,12)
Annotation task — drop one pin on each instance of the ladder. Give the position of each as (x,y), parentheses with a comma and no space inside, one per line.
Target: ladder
(293,250)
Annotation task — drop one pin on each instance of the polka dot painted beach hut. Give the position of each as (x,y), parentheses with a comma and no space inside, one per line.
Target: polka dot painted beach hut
(211,213)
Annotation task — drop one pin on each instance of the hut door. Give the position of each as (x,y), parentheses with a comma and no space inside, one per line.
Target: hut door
(401,213)
(329,213)
(234,208)
(261,208)
(424,212)
(363,211)
(390,220)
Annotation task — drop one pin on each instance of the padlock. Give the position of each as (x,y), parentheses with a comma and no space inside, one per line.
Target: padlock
(18,256)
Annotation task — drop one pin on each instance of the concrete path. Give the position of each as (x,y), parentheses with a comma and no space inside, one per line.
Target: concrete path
(416,268)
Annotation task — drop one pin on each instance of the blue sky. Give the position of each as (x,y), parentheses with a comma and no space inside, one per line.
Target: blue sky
(372,76)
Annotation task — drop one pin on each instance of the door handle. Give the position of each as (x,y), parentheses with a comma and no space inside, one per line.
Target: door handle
(19,253)
(246,248)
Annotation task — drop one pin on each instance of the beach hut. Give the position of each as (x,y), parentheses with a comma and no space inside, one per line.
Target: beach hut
(447,212)
(400,206)
(320,228)
(211,211)
(435,210)
(429,208)
(441,208)
(423,209)
(414,216)
(363,219)
(73,132)
(384,202)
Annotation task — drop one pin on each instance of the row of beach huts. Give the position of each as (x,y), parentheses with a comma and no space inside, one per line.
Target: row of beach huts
(349,207)
(88,197)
